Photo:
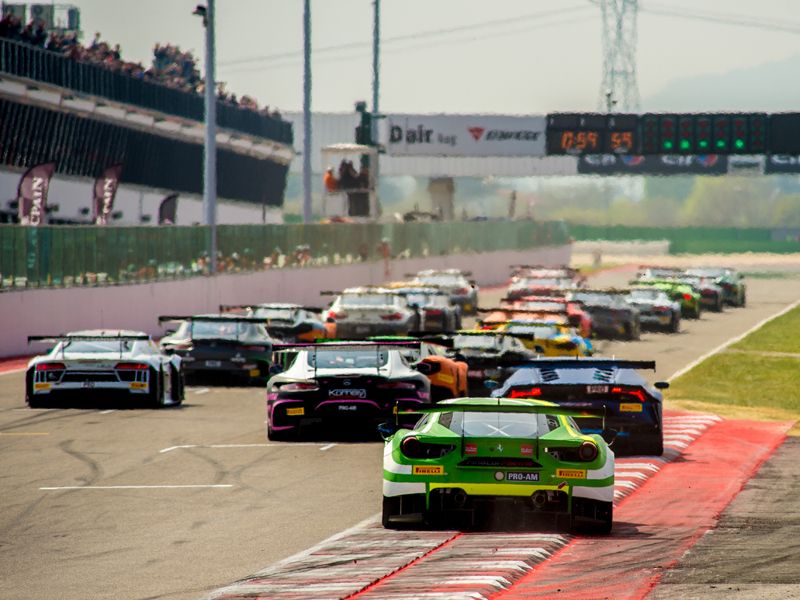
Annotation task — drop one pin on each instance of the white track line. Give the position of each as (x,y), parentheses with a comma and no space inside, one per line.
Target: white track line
(12,371)
(185,446)
(327,447)
(105,412)
(732,341)
(202,391)
(135,487)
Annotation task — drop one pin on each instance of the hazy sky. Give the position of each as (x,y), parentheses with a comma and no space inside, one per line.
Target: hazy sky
(505,56)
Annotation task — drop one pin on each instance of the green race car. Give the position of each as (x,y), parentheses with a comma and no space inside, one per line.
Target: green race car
(686,294)
(471,457)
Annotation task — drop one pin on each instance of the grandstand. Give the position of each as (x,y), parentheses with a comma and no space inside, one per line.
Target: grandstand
(85,109)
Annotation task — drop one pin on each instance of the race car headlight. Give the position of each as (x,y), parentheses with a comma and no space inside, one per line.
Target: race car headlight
(411,447)
(587,451)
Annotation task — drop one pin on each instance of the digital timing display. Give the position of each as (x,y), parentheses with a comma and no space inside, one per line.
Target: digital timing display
(591,133)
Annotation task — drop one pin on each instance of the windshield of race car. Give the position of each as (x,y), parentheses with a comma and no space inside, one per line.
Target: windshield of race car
(443,279)
(367,299)
(548,306)
(476,342)
(224,330)
(653,294)
(99,346)
(276,314)
(545,282)
(491,424)
(594,298)
(539,332)
(340,358)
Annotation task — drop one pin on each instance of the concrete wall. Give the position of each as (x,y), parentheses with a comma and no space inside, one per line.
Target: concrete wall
(56,311)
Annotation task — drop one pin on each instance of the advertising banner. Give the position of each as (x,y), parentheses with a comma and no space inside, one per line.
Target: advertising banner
(167,210)
(32,194)
(105,189)
(668,164)
(463,135)
(782,163)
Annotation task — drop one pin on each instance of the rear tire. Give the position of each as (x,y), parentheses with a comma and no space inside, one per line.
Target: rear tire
(675,324)
(30,398)
(177,391)
(600,523)
(155,396)
(654,446)
(280,435)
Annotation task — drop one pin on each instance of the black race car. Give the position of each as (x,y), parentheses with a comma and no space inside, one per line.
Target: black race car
(288,322)
(633,421)
(339,384)
(612,316)
(220,347)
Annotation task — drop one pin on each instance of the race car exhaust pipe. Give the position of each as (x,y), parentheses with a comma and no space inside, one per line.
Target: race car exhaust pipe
(539,499)
(460,498)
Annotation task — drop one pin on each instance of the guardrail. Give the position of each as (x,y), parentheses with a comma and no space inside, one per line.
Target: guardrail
(698,240)
(23,60)
(63,256)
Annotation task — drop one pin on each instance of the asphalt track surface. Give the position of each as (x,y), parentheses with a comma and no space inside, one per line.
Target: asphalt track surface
(176,503)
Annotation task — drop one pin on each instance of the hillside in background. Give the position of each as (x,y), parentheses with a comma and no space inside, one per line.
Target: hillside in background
(769,87)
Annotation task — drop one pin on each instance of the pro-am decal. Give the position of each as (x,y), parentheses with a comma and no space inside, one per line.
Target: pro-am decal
(521,476)
(571,473)
(427,470)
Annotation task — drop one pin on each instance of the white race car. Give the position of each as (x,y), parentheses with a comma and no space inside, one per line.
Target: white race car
(103,364)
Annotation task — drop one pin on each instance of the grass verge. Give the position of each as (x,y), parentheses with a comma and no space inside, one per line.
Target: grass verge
(747,382)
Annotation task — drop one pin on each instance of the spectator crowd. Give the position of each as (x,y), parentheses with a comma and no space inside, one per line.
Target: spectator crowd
(171,66)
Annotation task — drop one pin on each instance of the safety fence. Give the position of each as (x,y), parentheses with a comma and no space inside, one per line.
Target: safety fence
(23,60)
(59,256)
(698,240)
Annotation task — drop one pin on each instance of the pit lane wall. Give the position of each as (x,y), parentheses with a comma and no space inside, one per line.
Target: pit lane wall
(50,311)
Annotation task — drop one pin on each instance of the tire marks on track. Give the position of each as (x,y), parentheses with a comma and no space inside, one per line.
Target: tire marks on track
(372,563)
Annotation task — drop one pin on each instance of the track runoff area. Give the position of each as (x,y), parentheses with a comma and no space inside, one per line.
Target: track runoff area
(663,505)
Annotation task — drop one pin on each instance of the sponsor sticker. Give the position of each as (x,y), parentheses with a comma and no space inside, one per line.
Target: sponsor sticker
(519,476)
(526,450)
(295,412)
(571,473)
(470,449)
(347,393)
(445,378)
(213,363)
(347,407)
(427,470)
(255,372)
(630,407)
(596,389)
(474,373)
(138,385)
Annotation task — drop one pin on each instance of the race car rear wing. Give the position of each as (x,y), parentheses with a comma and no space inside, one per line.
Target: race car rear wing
(88,338)
(588,363)
(212,318)
(282,353)
(539,311)
(224,308)
(505,407)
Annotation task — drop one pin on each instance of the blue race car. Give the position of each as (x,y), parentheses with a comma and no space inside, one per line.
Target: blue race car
(632,408)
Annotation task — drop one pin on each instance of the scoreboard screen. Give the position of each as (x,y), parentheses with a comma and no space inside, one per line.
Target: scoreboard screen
(591,133)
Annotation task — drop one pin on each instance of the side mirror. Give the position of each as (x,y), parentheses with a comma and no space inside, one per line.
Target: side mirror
(661,385)
(387,430)
(458,357)
(424,368)
(275,369)
(169,332)
(538,349)
(303,328)
(491,384)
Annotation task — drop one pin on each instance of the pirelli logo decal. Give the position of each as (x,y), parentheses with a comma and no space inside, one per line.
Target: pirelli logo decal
(630,407)
(571,473)
(427,470)
(295,412)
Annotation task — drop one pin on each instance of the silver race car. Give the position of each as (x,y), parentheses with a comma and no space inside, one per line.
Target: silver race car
(103,365)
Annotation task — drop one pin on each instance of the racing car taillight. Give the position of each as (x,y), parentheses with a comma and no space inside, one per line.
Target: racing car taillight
(299,386)
(587,451)
(529,393)
(687,297)
(638,394)
(462,291)
(337,315)
(396,385)
(411,447)
(52,366)
(392,317)
(131,366)
(433,312)
(254,348)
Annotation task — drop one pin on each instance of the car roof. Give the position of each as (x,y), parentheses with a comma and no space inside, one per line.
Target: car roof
(112,334)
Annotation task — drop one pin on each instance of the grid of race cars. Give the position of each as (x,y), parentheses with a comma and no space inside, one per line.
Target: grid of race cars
(514,412)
